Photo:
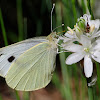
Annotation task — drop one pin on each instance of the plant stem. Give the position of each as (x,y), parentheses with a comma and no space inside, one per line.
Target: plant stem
(91,93)
(98,74)
(83,6)
(20,19)
(3,29)
(1,97)
(17,96)
(89,8)
(65,75)
(66,80)
(57,83)
(74,10)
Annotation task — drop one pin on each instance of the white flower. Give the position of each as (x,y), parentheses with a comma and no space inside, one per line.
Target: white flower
(84,26)
(69,36)
(86,50)
(70,33)
(92,26)
(88,20)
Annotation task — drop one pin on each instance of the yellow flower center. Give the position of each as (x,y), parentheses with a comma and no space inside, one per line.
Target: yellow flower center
(86,49)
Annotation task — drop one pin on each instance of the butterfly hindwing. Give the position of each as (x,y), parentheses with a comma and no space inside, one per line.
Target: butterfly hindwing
(10,53)
(33,69)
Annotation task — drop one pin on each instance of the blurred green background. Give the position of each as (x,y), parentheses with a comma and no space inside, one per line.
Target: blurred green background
(22,19)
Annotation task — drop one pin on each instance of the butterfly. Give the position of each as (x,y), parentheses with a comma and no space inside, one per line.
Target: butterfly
(28,65)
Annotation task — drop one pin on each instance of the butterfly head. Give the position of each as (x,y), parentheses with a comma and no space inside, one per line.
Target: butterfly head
(53,39)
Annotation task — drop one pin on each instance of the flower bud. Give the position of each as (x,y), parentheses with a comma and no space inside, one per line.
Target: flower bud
(78,31)
(81,24)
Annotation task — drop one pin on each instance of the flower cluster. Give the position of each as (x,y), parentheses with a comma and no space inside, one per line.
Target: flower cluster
(87,34)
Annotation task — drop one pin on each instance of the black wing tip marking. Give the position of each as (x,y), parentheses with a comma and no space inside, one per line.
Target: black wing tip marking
(1,54)
(10,59)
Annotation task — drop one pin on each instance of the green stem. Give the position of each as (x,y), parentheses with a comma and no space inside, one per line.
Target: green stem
(83,6)
(1,97)
(25,28)
(20,19)
(67,89)
(91,93)
(26,96)
(57,83)
(89,8)
(3,29)
(66,80)
(98,74)
(17,96)
(74,10)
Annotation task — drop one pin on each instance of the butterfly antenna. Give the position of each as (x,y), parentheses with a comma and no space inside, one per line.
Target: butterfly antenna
(51,15)
(51,19)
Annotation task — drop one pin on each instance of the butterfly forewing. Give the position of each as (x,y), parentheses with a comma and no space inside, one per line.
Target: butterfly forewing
(10,53)
(33,69)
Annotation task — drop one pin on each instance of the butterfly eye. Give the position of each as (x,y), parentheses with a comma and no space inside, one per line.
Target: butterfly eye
(10,59)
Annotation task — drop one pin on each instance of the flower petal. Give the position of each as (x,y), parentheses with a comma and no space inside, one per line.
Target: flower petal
(87,18)
(65,39)
(96,45)
(85,41)
(96,56)
(74,58)
(98,40)
(88,66)
(73,47)
(70,35)
(96,34)
(96,23)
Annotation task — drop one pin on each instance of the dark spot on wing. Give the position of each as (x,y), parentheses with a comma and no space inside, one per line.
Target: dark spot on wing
(1,54)
(10,59)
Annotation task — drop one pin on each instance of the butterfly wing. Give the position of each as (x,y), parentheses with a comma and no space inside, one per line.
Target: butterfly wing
(10,53)
(33,69)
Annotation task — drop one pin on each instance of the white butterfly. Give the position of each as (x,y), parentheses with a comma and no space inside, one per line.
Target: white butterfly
(28,65)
